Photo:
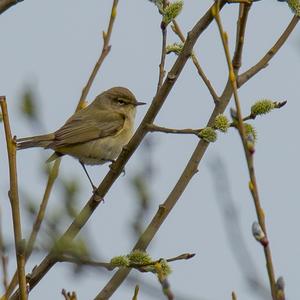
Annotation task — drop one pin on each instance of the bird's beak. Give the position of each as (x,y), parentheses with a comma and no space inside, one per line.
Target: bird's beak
(140,103)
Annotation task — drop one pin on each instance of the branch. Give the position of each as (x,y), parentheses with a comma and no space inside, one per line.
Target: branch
(155,128)
(105,50)
(6,4)
(240,36)
(37,223)
(4,258)
(201,73)
(109,266)
(136,292)
(14,200)
(269,55)
(69,295)
(162,71)
(117,167)
(248,154)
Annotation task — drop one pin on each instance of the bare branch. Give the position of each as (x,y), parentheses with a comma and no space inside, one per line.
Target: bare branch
(136,292)
(105,50)
(269,55)
(14,200)
(4,258)
(248,154)
(155,128)
(195,60)
(163,51)
(6,4)
(38,221)
(69,295)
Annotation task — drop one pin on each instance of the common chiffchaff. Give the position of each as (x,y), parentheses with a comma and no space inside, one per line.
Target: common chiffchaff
(95,134)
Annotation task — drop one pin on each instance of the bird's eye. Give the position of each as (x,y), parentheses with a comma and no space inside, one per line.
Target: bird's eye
(121,101)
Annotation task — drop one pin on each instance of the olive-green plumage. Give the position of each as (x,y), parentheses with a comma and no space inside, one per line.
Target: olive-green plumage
(95,134)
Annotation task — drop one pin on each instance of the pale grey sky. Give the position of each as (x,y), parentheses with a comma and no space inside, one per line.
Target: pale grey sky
(52,47)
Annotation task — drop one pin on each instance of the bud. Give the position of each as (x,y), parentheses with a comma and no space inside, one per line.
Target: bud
(259,235)
(294,6)
(172,11)
(233,114)
(250,132)
(262,107)
(280,285)
(120,261)
(174,48)
(139,257)
(208,134)
(221,123)
(165,268)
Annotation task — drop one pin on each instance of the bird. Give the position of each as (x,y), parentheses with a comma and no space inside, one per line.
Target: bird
(95,134)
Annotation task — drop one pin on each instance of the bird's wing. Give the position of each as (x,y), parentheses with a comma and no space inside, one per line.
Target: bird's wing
(83,127)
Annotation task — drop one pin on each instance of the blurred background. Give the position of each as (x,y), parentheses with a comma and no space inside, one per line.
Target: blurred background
(48,49)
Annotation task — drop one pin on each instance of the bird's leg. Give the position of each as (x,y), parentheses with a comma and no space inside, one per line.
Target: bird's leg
(87,174)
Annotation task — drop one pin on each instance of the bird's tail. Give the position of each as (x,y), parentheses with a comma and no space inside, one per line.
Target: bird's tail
(35,141)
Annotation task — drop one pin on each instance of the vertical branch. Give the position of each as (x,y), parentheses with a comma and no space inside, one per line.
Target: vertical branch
(162,71)
(37,223)
(14,200)
(105,50)
(240,36)
(248,154)
(3,258)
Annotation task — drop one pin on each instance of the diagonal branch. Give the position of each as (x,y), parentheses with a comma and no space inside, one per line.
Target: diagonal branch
(14,200)
(155,128)
(269,55)
(195,60)
(6,4)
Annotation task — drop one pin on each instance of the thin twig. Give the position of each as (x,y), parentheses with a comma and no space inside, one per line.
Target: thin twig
(69,295)
(14,200)
(105,50)
(4,258)
(117,167)
(162,71)
(195,60)
(136,292)
(6,4)
(155,128)
(240,1)
(240,36)
(269,55)
(108,266)
(249,156)
(38,221)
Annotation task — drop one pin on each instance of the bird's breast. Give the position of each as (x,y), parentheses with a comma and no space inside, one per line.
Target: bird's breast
(102,150)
